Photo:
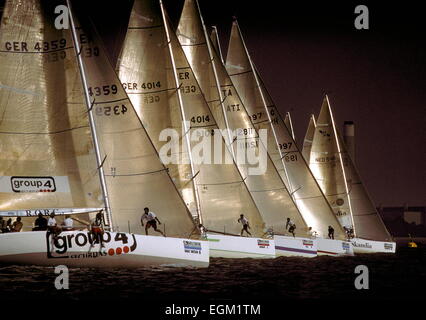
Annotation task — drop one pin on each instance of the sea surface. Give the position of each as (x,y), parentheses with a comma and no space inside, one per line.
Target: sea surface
(398,276)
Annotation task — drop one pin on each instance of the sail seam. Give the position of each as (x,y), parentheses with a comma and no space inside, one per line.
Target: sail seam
(50,51)
(240,73)
(150,92)
(142,28)
(193,44)
(110,101)
(220,183)
(135,174)
(53,132)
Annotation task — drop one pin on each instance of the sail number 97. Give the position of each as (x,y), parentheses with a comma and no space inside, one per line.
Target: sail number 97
(285,146)
(110,111)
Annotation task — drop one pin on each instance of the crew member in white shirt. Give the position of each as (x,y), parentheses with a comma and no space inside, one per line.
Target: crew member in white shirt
(243,220)
(67,225)
(151,221)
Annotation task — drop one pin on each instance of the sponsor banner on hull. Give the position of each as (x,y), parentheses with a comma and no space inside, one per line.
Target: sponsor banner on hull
(25,184)
(74,245)
(346,246)
(263,243)
(388,246)
(192,246)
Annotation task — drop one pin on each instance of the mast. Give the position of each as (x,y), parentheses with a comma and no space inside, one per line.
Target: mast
(77,47)
(182,110)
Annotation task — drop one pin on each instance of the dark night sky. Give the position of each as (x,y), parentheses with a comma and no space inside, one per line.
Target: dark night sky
(374,77)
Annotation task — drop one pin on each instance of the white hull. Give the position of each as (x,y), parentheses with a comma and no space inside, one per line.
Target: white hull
(124,250)
(336,248)
(222,246)
(371,246)
(300,247)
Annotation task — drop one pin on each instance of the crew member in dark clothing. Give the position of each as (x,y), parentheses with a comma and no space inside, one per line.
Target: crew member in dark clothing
(97,228)
(40,223)
(330,232)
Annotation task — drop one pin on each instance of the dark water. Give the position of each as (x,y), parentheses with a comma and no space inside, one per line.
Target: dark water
(287,287)
(398,276)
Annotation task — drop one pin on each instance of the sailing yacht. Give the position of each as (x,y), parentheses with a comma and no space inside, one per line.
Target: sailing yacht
(342,185)
(267,189)
(282,147)
(218,195)
(72,139)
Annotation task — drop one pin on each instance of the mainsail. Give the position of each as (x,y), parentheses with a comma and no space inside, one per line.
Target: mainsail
(340,181)
(222,193)
(47,158)
(309,136)
(146,71)
(267,189)
(134,174)
(281,145)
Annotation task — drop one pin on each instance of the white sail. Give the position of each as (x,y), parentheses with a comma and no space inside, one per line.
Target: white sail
(47,157)
(281,144)
(223,195)
(289,124)
(267,189)
(145,69)
(340,181)
(307,141)
(134,174)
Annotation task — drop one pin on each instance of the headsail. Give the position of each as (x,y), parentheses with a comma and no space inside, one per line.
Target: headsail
(340,181)
(309,136)
(47,158)
(135,176)
(267,189)
(146,71)
(289,124)
(281,145)
(214,37)
(224,195)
